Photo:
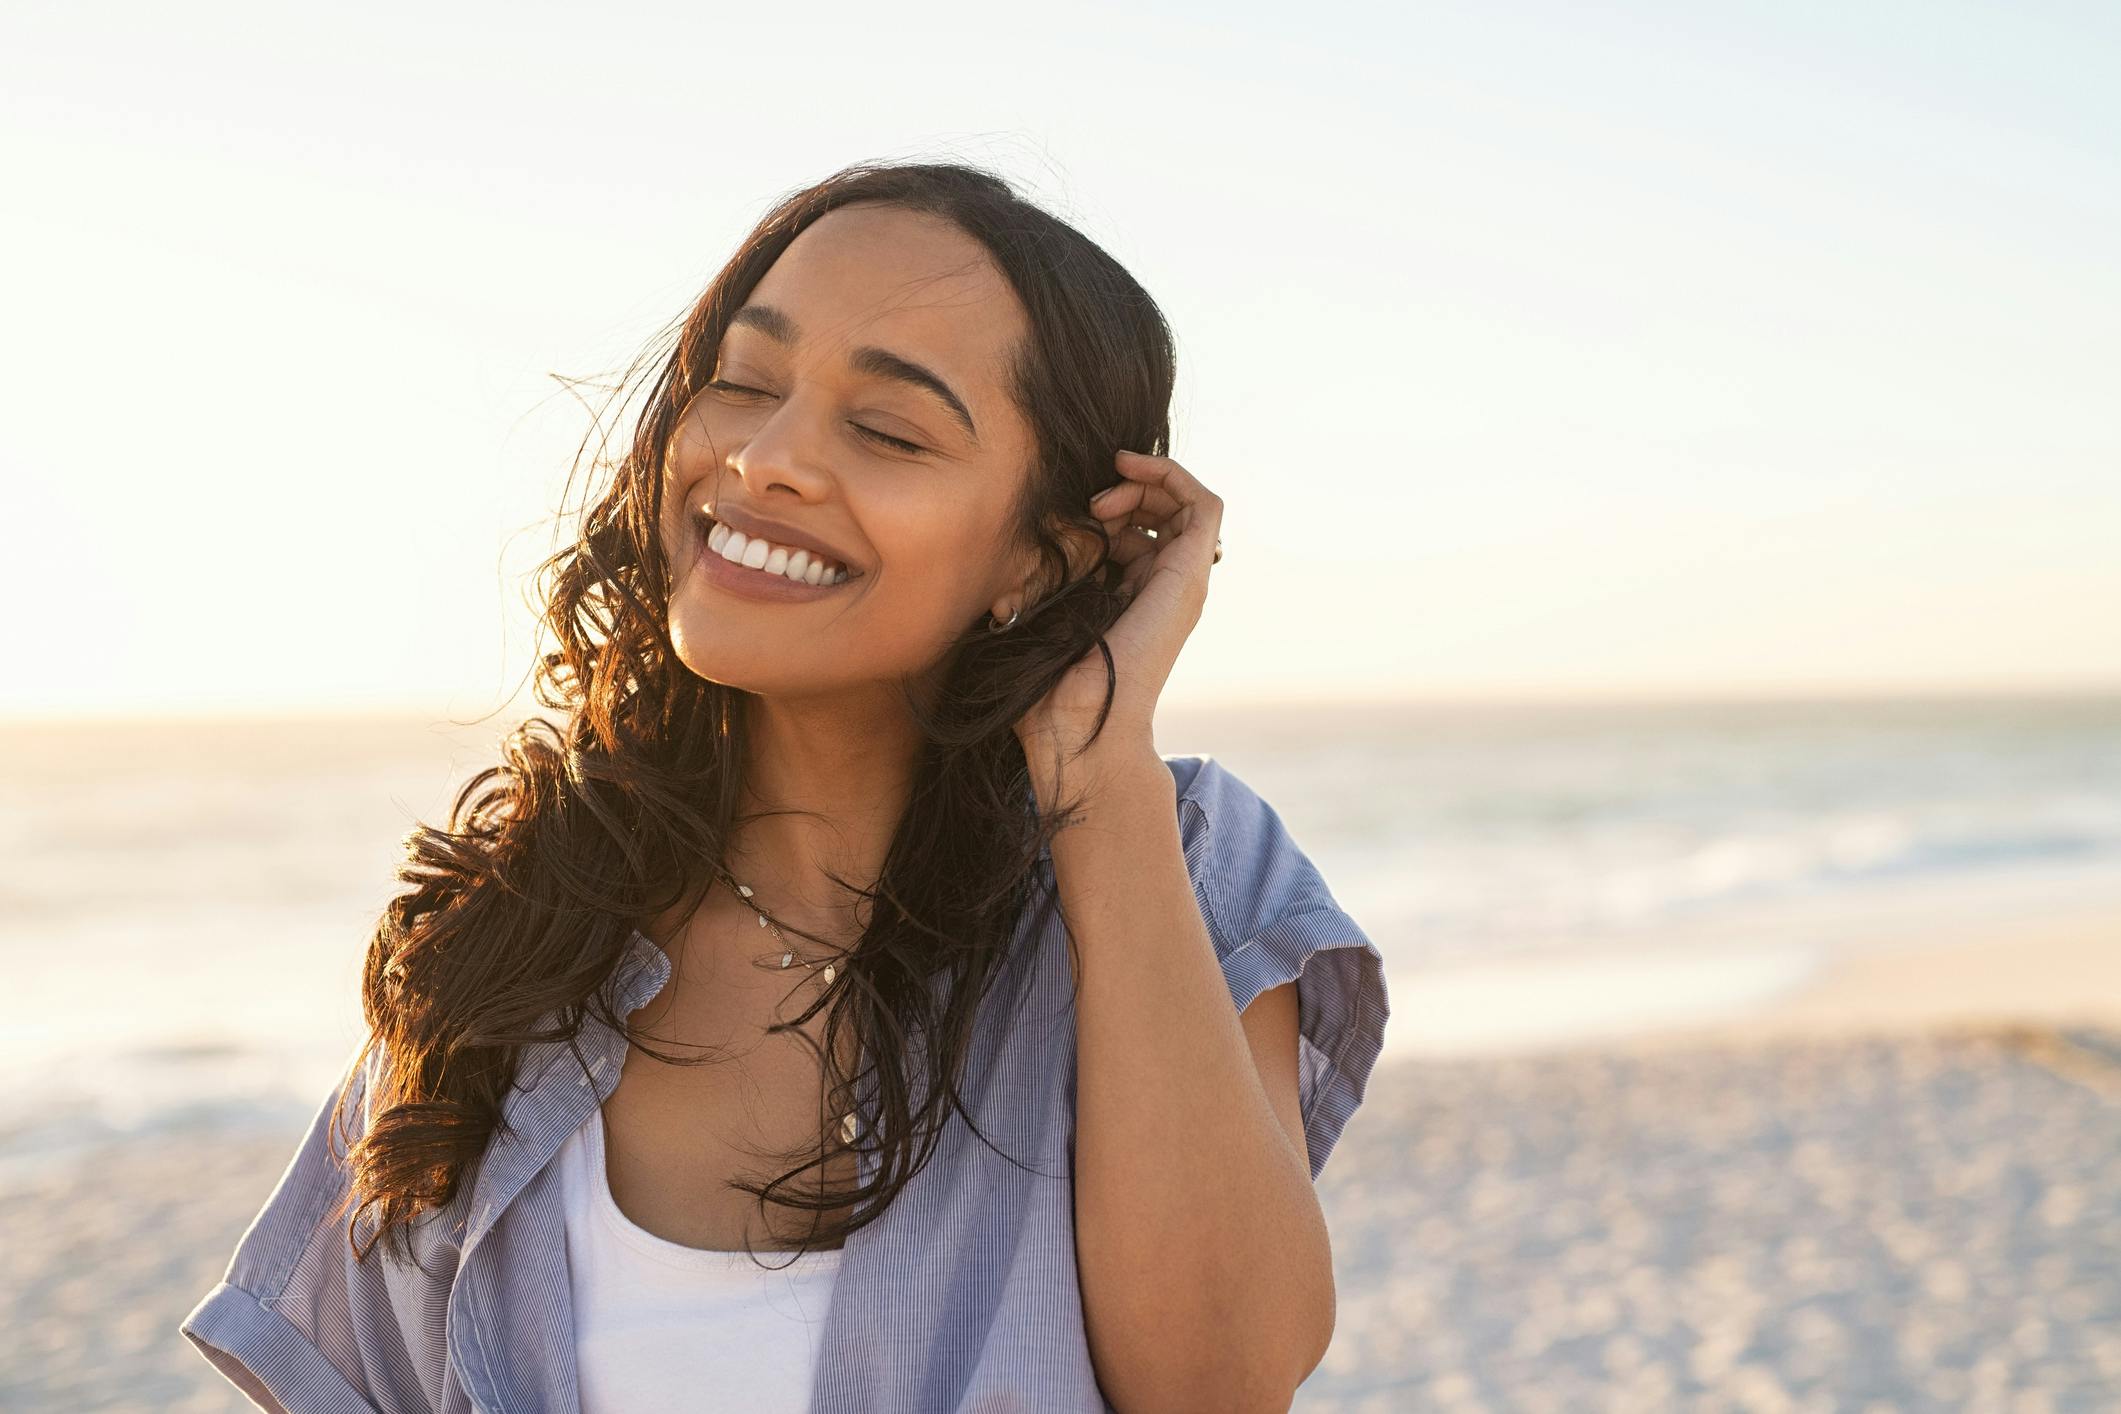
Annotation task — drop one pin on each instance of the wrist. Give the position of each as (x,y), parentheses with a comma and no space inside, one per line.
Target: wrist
(1120,812)
(1107,767)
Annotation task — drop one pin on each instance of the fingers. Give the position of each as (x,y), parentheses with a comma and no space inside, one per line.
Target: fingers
(1160,495)
(1163,474)
(1156,487)
(1120,510)
(1193,526)
(1130,544)
(1130,496)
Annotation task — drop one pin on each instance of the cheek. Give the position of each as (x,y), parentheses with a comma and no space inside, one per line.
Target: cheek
(689,460)
(679,539)
(687,478)
(936,560)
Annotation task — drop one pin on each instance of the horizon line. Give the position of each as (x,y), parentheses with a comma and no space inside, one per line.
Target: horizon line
(1560,696)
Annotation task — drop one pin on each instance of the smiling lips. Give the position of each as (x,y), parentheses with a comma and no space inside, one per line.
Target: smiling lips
(799,565)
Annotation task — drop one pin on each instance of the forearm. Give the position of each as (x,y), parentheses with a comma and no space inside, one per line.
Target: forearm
(1205,1263)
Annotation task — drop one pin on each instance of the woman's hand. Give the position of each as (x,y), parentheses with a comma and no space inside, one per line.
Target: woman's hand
(1165,579)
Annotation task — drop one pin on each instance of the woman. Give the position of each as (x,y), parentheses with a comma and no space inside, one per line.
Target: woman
(852,914)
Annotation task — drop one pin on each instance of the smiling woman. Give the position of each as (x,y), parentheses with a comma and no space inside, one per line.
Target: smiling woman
(849,913)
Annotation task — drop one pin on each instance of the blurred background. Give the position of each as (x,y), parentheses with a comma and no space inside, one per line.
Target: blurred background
(1673,490)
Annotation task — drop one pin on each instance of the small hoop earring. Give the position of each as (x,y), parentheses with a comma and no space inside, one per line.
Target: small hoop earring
(995,625)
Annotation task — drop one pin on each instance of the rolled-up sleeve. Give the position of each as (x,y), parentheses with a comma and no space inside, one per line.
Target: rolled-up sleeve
(285,1308)
(1273,920)
(266,1356)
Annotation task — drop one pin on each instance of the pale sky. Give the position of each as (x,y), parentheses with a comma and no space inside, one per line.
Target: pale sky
(1536,349)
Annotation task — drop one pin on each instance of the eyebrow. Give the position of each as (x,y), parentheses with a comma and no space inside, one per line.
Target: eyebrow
(879,363)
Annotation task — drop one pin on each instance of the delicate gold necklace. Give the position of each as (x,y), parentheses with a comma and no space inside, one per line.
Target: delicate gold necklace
(788,959)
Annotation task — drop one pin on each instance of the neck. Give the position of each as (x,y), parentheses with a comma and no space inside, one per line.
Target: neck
(844,767)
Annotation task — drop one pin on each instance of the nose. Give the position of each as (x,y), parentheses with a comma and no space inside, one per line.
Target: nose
(781,454)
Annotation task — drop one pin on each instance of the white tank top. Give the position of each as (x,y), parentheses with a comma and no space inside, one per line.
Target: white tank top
(662,1326)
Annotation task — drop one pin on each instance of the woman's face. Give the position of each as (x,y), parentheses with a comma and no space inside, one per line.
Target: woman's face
(824,429)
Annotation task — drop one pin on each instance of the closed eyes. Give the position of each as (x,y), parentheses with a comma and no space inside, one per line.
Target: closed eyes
(895,443)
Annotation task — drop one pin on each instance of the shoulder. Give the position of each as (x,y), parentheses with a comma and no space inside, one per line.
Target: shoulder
(1273,921)
(1213,790)
(1210,792)
(1245,862)
(292,1319)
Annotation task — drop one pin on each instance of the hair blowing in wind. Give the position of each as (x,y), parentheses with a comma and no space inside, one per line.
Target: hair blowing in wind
(619,807)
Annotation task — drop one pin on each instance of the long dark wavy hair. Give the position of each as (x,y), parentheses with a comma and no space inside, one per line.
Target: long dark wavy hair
(524,907)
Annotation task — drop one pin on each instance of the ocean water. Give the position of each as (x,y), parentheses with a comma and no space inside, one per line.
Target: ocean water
(1457,832)
(184,906)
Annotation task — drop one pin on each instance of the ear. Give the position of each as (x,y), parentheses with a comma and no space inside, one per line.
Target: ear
(1085,551)
(1033,580)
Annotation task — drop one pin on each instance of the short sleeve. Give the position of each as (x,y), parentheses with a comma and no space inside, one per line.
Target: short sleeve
(1273,920)
(295,1323)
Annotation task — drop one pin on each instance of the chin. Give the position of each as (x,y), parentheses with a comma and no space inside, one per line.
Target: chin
(710,651)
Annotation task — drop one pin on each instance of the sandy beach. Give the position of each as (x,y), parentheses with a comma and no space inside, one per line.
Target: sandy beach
(2061,974)
(1896,1186)
(1880,1224)
(2035,946)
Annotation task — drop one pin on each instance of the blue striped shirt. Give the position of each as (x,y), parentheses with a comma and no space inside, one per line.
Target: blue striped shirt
(962,1296)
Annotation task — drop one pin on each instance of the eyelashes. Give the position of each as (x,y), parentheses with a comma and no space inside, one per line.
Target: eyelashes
(899,444)
(896,443)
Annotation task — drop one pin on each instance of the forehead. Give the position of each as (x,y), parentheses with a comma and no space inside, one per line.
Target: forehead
(907,281)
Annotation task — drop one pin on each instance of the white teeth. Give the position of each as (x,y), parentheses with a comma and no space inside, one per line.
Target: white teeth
(800,566)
